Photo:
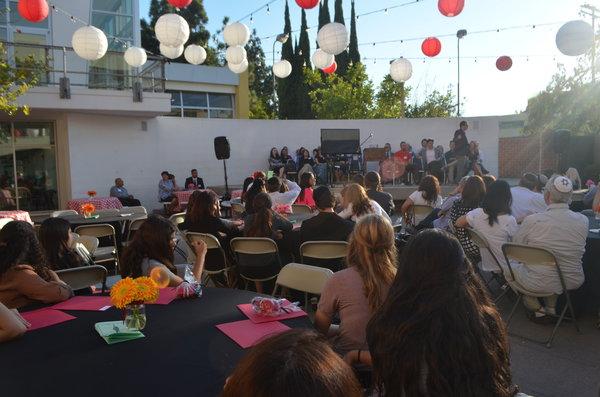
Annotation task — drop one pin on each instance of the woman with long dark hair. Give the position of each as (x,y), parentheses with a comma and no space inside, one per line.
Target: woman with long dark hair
(247,183)
(265,222)
(152,247)
(494,221)
(428,194)
(438,333)
(472,195)
(57,241)
(275,160)
(24,276)
(258,186)
(307,183)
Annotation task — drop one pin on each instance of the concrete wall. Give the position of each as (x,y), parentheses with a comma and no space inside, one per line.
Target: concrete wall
(105,147)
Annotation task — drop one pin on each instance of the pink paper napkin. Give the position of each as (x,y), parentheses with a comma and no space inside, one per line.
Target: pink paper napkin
(256,318)
(45,318)
(166,296)
(85,303)
(245,333)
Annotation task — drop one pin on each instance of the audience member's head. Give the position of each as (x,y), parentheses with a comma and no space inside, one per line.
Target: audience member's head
(305,154)
(194,173)
(473,192)
(258,186)
(488,179)
(530,181)
(451,145)
(296,363)
(464,126)
(373,181)
(430,186)
(573,174)
(262,222)
(497,201)
(438,311)
(203,205)
(56,240)
(324,198)
(403,146)
(372,251)
(424,142)
(559,190)
(355,195)
(359,179)
(307,181)
(119,182)
(155,239)
(274,153)
(430,143)
(19,245)
(273,184)
(284,152)
(388,147)
(165,175)
(247,182)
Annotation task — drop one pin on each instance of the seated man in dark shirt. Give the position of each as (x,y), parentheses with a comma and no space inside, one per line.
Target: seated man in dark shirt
(194,182)
(376,193)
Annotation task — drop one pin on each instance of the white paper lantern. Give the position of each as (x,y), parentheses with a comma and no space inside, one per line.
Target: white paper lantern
(172,30)
(236,34)
(135,57)
(235,54)
(401,70)
(239,68)
(322,60)
(282,69)
(195,54)
(333,38)
(89,43)
(171,52)
(575,38)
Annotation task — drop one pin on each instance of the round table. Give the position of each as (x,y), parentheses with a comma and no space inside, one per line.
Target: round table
(16,215)
(183,352)
(101,203)
(587,298)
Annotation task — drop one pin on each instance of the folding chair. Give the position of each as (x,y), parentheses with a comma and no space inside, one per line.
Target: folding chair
(536,256)
(134,226)
(324,250)
(481,242)
(250,253)
(84,277)
(102,254)
(301,209)
(237,209)
(304,278)
(177,219)
(4,221)
(89,242)
(213,269)
(58,214)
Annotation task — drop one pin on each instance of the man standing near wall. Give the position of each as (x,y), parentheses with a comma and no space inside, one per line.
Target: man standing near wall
(461,149)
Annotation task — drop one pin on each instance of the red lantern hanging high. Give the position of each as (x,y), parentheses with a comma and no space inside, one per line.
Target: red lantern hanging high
(307,4)
(504,63)
(431,47)
(330,69)
(451,8)
(33,10)
(180,3)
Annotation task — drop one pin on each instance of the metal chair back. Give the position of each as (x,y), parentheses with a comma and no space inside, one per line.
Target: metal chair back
(323,250)
(84,277)
(301,209)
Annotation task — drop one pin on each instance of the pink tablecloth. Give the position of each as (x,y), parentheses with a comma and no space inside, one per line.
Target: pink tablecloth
(184,195)
(101,203)
(236,194)
(16,215)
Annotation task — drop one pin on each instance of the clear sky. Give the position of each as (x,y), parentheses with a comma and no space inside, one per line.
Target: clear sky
(485,90)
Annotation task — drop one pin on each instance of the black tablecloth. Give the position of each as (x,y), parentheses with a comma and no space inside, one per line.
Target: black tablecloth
(183,354)
(587,297)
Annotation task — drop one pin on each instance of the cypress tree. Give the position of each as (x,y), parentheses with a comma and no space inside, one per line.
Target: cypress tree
(324,16)
(285,87)
(343,59)
(304,42)
(353,50)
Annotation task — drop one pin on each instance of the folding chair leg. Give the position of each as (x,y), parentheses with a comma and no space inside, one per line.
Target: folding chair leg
(502,295)
(514,309)
(572,313)
(560,319)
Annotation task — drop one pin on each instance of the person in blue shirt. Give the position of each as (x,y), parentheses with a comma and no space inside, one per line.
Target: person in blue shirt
(123,195)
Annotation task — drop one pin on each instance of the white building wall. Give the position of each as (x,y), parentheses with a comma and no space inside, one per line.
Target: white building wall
(105,147)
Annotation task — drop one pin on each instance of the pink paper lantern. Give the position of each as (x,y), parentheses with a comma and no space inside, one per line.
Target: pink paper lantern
(504,63)
(451,8)
(431,47)
(330,69)
(180,3)
(307,4)
(33,10)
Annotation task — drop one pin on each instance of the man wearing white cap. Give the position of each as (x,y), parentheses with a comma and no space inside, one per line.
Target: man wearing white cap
(561,231)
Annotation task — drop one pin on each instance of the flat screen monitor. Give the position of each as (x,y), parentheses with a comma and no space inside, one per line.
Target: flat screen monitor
(338,141)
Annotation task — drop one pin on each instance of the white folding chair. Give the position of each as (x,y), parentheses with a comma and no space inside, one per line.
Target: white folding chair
(102,254)
(177,219)
(4,221)
(83,277)
(482,243)
(222,265)
(244,248)
(303,278)
(324,250)
(90,243)
(301,209)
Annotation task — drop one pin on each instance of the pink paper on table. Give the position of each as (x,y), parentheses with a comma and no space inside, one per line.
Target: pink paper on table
(166,296)
(45,318)
(256,318)
(245,333)
(85,303)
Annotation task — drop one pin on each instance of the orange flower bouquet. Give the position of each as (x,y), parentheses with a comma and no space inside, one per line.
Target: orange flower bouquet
(91,193)
(130,295)
(88,209)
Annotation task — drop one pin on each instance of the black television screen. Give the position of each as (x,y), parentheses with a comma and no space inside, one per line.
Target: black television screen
(340,141)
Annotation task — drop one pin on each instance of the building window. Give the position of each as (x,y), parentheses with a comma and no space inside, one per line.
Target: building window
(201,105)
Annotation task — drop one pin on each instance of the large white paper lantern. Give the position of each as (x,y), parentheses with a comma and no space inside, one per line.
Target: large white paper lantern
(135,57)
(195,54)
(575,38)
(401,70)
(322,60)
(89,43)
(236,34)
(171,52)
(172,30)
(333,38)
(235,54)
(282,69)
(239,68)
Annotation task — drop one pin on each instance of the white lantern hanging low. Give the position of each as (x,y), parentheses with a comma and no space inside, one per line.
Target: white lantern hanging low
(322,60)
(236,34)
(235,54)
(282,69)
(135,57)
(333,38)
(401,70)
(89,43)
(172,30)
(239,68)
(171,52)
(195,54)
(575,38)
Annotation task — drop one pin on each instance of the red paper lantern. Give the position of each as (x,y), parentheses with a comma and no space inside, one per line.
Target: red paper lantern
(180,3)
(431,47)
(330,69)
(451,8)
(33,10)
(504,63)
(307,4)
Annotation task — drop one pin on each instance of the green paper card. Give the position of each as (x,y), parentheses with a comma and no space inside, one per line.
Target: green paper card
(115,332)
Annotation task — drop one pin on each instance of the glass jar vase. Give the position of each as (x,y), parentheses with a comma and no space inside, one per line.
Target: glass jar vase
(135,316)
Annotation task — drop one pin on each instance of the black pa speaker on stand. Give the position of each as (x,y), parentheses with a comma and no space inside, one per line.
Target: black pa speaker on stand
(223,151)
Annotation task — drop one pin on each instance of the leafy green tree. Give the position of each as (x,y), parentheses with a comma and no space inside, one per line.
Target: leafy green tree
(390,101)
(343,59)
(16,81)
(353,52)
(436,104)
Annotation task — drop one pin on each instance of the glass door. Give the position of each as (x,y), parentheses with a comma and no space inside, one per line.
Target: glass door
(23,55)
(7,169)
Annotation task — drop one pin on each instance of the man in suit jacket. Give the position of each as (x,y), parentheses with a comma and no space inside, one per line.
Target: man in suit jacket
(193,182)
(373,185)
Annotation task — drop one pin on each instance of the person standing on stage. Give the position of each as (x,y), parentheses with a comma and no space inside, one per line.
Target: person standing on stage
(194,182)
(461,150)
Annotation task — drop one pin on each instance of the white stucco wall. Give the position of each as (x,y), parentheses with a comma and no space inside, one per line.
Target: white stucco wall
(105,147)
